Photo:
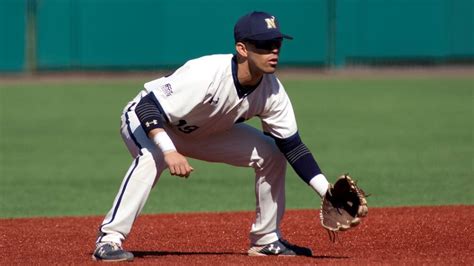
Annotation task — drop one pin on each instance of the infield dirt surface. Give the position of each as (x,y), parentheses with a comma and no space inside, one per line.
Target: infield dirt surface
(403,235)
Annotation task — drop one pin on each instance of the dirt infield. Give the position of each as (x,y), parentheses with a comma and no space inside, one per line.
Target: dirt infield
(411,235)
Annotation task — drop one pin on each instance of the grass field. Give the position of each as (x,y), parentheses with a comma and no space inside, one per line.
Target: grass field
(409,141)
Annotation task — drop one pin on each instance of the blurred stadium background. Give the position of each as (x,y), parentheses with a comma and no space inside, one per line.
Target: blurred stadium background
(42,35)
(407,135)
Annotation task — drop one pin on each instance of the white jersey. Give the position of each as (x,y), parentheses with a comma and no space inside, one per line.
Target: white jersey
(204,96)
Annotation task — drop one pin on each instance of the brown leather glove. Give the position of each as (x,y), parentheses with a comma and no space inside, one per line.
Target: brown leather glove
(343,206)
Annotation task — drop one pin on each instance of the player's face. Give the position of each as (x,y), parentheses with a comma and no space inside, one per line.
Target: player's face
(263,55)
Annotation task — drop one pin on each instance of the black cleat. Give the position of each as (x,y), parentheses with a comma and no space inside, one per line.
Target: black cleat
(279,248)
(111,252)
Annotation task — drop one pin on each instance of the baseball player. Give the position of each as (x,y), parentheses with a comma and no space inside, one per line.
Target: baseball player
(197,112)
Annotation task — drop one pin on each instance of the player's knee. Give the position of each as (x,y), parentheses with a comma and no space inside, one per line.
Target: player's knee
(277,159)
(274,154)
(146,170)
(268,157)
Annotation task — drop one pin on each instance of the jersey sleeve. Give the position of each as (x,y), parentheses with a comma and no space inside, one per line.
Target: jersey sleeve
(179,93)
(278,118)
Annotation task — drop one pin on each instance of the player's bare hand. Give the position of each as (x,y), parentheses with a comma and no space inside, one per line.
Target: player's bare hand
(177,164)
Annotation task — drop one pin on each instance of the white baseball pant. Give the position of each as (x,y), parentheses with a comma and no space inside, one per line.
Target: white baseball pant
(242,146)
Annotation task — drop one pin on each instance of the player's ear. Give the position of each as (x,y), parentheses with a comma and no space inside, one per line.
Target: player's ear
(241,48)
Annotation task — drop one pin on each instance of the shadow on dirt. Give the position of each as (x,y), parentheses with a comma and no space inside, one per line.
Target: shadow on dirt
(143,254)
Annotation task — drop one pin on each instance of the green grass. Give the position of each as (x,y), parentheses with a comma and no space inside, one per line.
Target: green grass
(408,141)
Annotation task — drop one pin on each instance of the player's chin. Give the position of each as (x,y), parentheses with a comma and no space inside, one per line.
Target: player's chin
(270,69)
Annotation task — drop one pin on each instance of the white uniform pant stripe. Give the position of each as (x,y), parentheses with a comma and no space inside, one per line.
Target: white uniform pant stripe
(137,183)
(129,128)
(133,200)
(119,198)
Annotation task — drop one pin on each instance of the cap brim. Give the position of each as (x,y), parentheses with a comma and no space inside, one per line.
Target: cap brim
(269,36)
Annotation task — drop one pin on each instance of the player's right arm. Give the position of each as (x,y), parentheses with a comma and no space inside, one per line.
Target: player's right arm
(151,120)
(172,98)
(177,163)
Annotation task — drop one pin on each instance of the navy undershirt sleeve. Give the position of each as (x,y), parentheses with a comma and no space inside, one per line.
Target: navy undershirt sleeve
(299,157)
(149,114)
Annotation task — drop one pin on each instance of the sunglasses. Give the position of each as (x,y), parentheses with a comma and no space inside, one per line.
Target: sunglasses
(267,44)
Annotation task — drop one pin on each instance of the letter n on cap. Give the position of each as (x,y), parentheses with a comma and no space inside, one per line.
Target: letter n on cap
(271,23)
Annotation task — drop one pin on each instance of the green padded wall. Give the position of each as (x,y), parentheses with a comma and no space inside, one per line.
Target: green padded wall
(377,30)
(147,34)
(154,33)
(12,35)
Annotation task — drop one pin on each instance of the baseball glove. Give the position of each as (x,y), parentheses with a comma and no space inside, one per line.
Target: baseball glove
(343,206)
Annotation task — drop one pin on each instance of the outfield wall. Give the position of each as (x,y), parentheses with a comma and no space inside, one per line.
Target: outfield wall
(146,34)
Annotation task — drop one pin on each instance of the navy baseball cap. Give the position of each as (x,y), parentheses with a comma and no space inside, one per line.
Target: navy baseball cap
(258,26)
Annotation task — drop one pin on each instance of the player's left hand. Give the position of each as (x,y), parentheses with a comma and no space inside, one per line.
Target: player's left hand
(343,206)
(178,164)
